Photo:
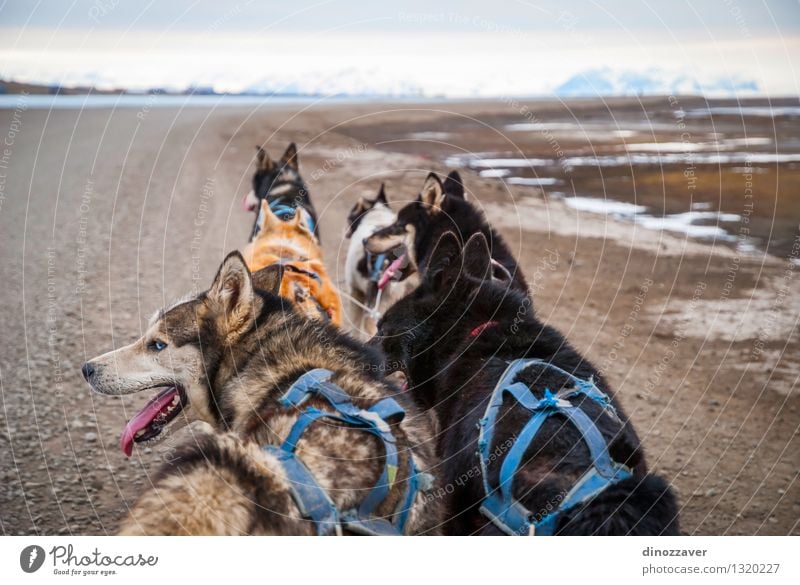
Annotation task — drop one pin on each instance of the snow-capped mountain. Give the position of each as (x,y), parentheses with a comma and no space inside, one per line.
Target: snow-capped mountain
(611,82)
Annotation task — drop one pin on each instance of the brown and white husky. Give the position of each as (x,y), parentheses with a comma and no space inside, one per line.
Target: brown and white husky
(225,357)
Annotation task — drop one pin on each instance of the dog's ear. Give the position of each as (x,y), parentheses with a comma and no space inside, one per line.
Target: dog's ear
(355,214)
(453,185)
(269,221)
(301,222)
(269,278)
(381,198)
(263,161)
(297,219)
(289,158)
(433,193)
(232,293)
(477,257)
(364,204)
(444,266)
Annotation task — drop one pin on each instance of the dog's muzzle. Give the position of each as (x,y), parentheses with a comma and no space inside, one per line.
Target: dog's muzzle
(88,371)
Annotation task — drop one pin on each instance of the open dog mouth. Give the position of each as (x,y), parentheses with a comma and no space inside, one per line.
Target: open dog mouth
(148,424)
(398,269)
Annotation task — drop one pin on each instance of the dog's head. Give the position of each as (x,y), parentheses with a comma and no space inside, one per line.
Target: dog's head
(460,290)
(402,237)
(178,358)
(362,207)
(270,174)
(297,229)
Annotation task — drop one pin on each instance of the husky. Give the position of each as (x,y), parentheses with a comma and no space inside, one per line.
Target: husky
(441,208)
(363,270)
(280,185)
(306,281)
(230,357)
(455,337)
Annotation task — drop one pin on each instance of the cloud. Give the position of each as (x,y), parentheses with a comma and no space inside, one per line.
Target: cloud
(453,65)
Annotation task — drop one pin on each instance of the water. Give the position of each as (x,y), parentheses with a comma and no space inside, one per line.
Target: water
(719,172)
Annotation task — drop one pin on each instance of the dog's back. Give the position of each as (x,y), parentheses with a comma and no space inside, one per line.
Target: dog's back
(489,324)
(306,281)
(558,458)
(217,485)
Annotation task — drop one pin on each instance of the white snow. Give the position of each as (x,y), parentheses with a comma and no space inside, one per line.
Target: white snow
(494,173)
(686,223)
(532,181)
(605,206)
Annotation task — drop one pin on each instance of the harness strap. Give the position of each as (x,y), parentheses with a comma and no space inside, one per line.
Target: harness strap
(499,505)
(317,382)
(585,387)
(377,267)
(288,265)
(589,485)
(285,211)
(374,420)
(282,210)
(279,206)
(601,458)
(312,501)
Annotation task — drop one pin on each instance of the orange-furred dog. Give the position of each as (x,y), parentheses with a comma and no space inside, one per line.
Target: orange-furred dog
(305,280)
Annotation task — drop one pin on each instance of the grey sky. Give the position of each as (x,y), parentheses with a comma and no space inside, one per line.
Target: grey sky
(714,18)
(466,48)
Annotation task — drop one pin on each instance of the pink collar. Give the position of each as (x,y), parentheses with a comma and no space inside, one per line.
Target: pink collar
(482,327)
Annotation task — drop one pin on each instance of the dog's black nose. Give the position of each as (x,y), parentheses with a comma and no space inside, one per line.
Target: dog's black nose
(88,371)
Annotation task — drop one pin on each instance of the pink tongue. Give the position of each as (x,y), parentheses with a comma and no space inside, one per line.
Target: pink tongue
(390,272)
(247,204)
(143,418)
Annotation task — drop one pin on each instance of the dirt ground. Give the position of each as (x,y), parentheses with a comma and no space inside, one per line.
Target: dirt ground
(107,215)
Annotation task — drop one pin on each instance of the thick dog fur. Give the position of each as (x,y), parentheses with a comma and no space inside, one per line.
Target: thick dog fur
(441,208)
(233,351)
(453,371)
(278,180)
(366,217)
(292,244)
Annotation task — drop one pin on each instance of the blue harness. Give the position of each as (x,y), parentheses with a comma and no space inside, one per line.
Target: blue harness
(499,504)
(312,500)
(377,266)
(283,211)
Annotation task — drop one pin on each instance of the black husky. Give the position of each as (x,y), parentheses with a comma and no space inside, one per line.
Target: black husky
(281,185)
(441,208)
(454,336)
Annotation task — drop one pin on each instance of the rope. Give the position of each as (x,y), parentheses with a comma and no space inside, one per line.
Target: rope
(372,312)
(384,279)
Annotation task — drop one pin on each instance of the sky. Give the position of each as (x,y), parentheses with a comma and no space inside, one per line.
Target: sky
(456,49)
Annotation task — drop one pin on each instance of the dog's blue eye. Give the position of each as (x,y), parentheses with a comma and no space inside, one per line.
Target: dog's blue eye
(158,345)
